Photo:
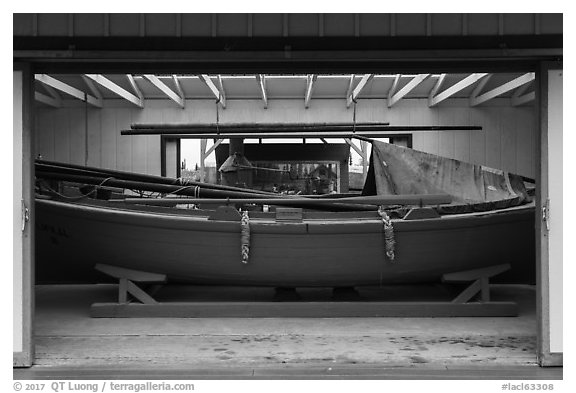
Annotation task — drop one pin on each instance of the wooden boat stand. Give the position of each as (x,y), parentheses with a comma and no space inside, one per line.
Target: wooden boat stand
(135,302)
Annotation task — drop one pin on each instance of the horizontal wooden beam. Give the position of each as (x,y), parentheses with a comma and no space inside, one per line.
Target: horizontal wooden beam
(356,91)
(335,309)
(113,87)
(164,88)
(263,134)
(219,94)
(506,87)
(51,101)
(70,90)
(407,89)
(459,86)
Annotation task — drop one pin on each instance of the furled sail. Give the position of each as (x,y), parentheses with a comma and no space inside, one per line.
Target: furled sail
(399,170)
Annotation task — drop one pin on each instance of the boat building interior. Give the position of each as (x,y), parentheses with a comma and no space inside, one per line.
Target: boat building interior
(301,108)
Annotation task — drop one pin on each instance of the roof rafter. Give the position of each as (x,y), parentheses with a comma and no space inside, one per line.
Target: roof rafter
(350,85)
(135,87)
(480,86)
(113,87)
(179,89)
(92,86)
(461,85)
(506,87)
(164,88)
(218,92)
(519,98)
(437,86)
(524,99)
(65,88)
(51,101)
(310,79)
(394,86)
(407,89)
(356,91)
(261,79)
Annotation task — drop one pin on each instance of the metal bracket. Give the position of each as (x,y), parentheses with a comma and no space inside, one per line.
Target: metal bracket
(546,214)
(25,215)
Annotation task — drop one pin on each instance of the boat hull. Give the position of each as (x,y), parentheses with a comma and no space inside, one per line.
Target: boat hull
(329,250)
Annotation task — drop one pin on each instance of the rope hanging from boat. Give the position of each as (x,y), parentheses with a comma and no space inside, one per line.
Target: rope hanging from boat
(388,233)
(77,198)
(245,236)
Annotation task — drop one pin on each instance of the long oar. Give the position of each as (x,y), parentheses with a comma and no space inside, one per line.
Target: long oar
(374,200)
(189,190)
(43,167)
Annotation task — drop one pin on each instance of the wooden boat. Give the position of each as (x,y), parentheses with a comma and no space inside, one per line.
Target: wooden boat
(297,248)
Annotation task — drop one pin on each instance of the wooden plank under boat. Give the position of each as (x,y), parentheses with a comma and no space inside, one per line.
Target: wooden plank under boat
(325,249)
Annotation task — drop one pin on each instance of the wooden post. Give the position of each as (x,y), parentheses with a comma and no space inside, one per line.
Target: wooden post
(203,143)
(364,148)
(236,146)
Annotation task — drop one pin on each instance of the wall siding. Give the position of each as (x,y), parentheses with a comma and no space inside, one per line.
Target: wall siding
(277,25)
(506,141)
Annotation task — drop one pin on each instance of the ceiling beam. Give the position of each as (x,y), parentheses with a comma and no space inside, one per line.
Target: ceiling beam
(51,101)
(480,86)
(65,88)
(459,86)
(407,89)
(135,87)
(310,79)
(113,87)
(218,93)
(437,86)
(506,87)
(356,92)
(519,98)
(394,86)
(92,86)
(261,79)
(524,99)
(54,95)
(179,89)
(350,85)
(221,85)
(164,88)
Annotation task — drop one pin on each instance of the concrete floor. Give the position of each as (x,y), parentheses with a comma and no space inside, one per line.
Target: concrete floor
(70,344)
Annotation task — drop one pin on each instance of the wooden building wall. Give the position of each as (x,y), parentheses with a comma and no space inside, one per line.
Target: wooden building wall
(284,25)
(506,141)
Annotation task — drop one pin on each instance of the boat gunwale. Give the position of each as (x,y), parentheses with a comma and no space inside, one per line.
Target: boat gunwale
(363,222)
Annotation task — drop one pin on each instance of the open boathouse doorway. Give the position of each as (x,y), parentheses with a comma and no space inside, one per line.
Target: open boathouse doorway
(75,109)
